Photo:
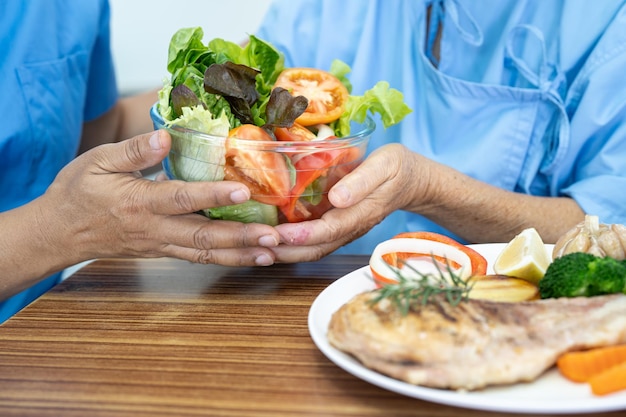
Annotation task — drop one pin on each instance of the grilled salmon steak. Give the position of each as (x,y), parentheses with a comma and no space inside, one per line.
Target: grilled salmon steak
(476,343)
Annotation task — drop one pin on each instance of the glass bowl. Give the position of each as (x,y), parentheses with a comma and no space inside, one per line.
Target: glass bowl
(288,180)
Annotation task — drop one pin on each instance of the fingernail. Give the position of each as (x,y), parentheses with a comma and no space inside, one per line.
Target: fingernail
(155,141)
(268,241)
(341,194)
(239,196)
(263,260)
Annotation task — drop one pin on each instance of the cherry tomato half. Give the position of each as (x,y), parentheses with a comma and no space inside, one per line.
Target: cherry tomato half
(326,94)
(265,173)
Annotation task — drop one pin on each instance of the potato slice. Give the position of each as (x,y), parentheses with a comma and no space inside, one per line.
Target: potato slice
(502,288)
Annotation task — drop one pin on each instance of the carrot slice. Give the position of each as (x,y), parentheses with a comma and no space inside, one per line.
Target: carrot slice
(609,381)
(583,365)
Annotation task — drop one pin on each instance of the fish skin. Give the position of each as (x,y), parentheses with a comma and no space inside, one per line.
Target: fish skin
(477,343)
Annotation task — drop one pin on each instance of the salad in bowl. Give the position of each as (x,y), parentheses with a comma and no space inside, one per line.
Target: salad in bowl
(237,113)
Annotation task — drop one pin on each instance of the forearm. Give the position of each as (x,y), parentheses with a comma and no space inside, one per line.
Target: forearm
(29,251)
(481,213)
(135,115)
(394,178)
(129,117)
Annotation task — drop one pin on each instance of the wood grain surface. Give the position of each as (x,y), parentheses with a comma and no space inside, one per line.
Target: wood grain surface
(165,337)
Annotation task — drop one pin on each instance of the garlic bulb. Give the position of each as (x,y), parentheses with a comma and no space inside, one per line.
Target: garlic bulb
(593,237)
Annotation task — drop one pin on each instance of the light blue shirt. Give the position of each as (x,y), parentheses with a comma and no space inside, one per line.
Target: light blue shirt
(529,96)
(57,72)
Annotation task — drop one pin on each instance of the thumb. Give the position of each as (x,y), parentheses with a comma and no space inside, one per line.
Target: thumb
(352,188)
(137,153)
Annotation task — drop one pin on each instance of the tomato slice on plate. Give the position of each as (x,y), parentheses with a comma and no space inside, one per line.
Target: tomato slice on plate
(265,173)
(326,94)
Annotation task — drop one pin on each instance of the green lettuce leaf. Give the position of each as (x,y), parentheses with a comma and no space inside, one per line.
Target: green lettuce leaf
(189,58)
(185,47)
(163,106)
(341,70)
(249,212)
(381,99)
(193,158)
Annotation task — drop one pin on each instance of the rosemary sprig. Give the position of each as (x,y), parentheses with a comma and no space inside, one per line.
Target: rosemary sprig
(409,290)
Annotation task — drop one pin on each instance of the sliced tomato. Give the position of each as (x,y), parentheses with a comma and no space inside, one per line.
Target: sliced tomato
(326,94)
(265,173)
(311,167)
(295,133)
(390,255)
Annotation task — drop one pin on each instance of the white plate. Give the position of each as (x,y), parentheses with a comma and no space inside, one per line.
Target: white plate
(549,394)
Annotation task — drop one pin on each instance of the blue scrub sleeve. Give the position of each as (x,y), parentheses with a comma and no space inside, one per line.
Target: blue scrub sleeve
(17,302)
(102,91)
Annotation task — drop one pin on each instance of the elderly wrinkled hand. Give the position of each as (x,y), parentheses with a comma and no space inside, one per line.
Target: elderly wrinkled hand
(100,206)
(361,199)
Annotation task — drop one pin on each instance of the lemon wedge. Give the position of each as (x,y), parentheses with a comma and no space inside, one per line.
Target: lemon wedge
(525,257)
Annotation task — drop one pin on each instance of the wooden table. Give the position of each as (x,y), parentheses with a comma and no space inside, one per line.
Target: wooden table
(169,338)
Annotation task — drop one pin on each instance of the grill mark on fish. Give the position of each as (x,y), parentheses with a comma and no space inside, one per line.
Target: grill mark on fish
(444,313)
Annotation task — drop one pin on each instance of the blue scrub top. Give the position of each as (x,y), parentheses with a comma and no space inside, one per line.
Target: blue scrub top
(57,73)
(527,95)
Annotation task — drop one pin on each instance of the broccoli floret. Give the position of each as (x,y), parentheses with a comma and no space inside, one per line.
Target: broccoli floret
(581,274)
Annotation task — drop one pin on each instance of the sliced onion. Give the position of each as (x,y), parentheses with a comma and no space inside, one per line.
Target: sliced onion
(419,247)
